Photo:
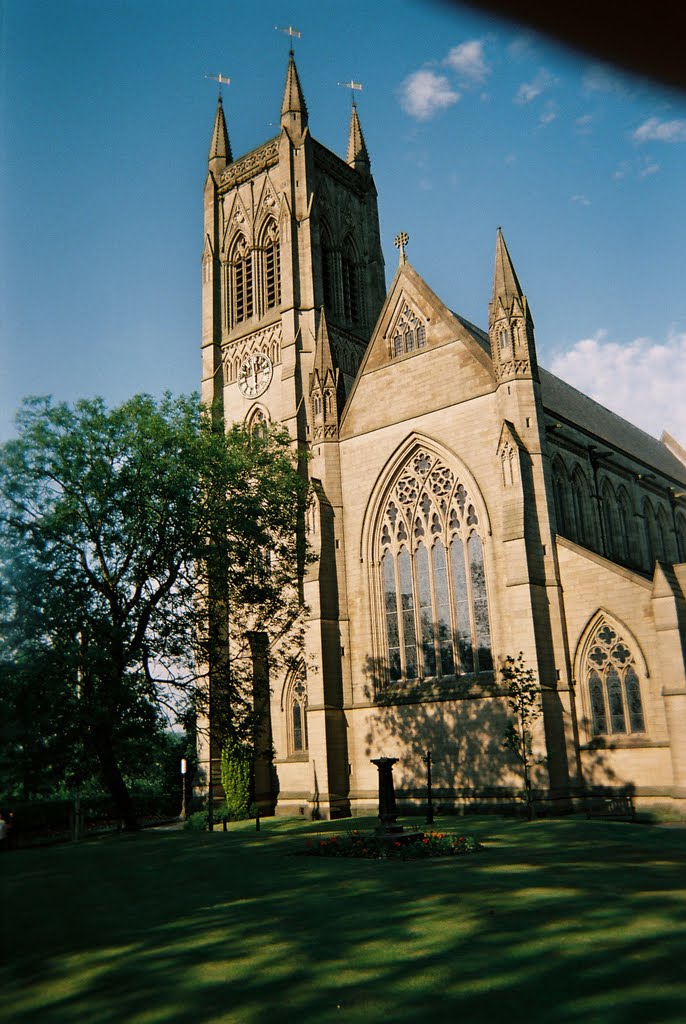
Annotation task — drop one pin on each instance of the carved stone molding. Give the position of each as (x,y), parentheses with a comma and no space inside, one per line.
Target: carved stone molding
(250,165)
(268,340)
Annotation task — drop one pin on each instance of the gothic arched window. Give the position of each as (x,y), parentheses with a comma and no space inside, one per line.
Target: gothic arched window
(241,281)
(680,520)
(270,272)
(561,497)
(614,691)
(350,276)
(296,713)
(583,509)
(257,424)
(435,602)
(610,519)
(329,274)
(624,545)
(408,334)
(650,536)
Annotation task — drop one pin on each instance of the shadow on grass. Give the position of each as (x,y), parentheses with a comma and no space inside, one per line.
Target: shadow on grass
(557,921)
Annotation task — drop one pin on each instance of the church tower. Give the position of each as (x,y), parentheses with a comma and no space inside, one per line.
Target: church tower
(289,228)
(293,282)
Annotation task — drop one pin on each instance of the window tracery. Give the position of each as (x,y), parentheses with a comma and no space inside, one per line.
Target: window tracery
(614,691)
(241,281)
(409,333)
(270,267)
(257,424)
(433,576)
(296,713)
(351,290)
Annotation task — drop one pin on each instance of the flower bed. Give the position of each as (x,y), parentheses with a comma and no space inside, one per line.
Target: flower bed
(374,847)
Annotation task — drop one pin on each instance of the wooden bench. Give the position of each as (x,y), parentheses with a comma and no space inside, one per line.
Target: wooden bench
(620,807)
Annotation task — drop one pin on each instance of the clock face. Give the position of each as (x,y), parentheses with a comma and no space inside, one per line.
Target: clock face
(255,375)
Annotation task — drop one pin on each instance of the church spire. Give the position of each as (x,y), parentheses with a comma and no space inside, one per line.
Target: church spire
(220,148)
(293,107)
(505,284)
(357,156)
(510,324)
(325,396)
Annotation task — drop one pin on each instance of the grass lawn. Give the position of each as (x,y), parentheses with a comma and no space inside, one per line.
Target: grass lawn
(555,921)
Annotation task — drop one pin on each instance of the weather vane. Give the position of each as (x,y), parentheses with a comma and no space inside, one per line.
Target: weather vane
(400,242)
(221,79)
(293,33)
(353,86)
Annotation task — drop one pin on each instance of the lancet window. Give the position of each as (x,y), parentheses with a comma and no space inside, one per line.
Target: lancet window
(296,713)
(241,281)
(257,424)
(270,269)
(409,334)
(351,291)
(328,271)
(614,691)
(435,601)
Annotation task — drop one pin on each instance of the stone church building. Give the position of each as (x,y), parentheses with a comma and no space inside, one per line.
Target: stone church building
(467,505)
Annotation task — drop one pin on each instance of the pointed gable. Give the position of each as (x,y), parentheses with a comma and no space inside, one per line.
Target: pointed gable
(420,352)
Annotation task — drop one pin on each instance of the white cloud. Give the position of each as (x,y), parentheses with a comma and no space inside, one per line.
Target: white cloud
(584,124)
(649,169)
(642,380)
(528,91)
(424,93)
(468,61)
(580,200)
(655,130)
(550,113)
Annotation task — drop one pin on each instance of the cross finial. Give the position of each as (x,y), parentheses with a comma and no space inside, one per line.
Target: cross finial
(401,241)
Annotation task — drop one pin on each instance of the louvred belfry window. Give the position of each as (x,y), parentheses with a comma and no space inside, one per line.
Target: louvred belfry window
(241,281)
(271,280)
(435,603)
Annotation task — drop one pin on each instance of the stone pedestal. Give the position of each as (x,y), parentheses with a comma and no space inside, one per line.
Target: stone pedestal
(387,811)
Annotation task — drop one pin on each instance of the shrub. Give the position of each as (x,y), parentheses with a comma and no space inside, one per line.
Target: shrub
(374,847)
(236,773)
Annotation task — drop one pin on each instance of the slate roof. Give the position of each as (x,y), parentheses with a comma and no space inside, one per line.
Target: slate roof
(562,400)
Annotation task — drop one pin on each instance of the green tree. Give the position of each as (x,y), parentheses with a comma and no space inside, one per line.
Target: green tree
(133,542)
(524,698)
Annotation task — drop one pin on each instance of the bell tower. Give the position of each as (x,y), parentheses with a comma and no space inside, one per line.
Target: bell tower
(292,285)
(289,228)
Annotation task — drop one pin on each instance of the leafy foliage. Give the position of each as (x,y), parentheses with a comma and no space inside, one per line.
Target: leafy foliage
(372,847)
(133,543)
(236,773)
(524,698)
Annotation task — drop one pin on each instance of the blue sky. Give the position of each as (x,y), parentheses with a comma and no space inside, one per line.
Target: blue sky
(106,117)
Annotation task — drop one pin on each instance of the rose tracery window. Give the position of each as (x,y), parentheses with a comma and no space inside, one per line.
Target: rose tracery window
(614,692)
(434,582)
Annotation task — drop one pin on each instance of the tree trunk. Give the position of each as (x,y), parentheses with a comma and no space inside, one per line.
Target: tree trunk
(112,777)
